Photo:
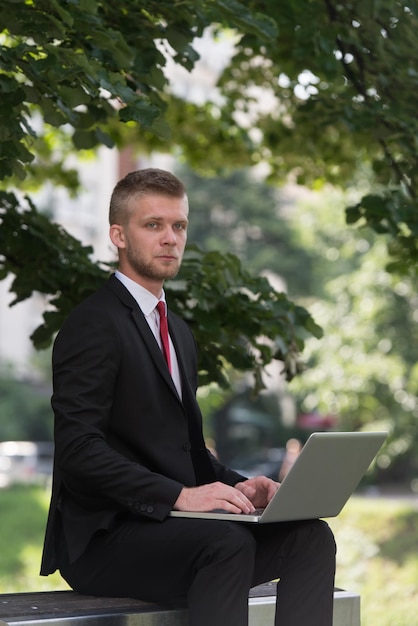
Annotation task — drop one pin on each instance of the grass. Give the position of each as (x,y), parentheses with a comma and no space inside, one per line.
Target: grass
(23,513)
(377,543)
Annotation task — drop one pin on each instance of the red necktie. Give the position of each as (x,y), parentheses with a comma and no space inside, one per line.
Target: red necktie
(164,333)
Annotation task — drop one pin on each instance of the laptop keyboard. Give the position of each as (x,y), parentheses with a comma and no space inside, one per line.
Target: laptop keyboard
(257,512)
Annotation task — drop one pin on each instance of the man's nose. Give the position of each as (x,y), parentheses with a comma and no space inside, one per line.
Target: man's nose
(169,236)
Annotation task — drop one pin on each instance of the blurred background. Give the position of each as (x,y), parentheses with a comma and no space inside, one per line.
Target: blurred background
(356,378)
(361,375)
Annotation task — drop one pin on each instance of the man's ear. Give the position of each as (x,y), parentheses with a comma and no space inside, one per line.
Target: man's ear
(117,236)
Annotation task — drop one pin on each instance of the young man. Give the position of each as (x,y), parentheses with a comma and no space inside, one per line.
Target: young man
(129,448)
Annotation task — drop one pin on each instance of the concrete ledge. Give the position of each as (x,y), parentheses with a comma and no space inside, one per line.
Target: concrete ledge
(67,608)
(346,609)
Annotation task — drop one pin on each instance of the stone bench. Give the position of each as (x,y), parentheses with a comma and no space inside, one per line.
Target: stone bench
(67,608)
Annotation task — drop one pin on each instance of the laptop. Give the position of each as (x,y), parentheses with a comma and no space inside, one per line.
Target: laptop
(323,477)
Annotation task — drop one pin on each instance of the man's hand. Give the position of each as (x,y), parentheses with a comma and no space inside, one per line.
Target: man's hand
(214,496)
(259,490)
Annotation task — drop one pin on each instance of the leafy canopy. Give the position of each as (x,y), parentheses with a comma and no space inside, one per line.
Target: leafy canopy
(314,90)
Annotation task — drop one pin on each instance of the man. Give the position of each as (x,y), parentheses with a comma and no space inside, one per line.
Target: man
(129,448)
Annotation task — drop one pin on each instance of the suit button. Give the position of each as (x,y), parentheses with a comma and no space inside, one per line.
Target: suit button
(187,446)
(143,508)
(150,509)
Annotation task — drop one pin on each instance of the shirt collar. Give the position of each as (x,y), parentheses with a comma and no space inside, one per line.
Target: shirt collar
(144,298)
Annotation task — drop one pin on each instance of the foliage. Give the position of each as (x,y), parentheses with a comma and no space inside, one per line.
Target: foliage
(25,411)
(212,292)
(331,92)
(377,557)
(240,214)
(364,369)
(86,64)
(227,307)
(314,90)
(44,258)
(82,68)
(341,76)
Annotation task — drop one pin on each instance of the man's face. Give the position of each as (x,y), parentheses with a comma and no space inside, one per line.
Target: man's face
(151,244)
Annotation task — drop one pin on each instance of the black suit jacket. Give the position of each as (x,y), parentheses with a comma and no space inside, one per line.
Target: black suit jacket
(124,440)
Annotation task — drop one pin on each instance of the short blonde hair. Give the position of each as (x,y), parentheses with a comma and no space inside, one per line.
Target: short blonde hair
(142,182)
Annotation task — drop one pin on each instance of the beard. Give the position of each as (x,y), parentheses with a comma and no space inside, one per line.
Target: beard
(150,270)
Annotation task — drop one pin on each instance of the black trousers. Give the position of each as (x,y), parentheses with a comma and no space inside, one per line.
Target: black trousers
(210,566)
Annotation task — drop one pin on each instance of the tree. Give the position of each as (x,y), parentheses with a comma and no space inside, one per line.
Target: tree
(313,89)
(364,370)
(343,75)
(241,214)
(25,407)
(81,65)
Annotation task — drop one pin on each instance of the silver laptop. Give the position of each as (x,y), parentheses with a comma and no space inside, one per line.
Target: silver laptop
(325,474)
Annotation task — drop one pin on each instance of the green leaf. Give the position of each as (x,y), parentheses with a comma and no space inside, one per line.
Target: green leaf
(161,129)
(141,112)
(73,96)
(257,23)
(85,139)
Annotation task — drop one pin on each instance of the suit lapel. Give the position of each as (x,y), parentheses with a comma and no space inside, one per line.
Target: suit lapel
(152,346)
(144,330)
(203,468)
